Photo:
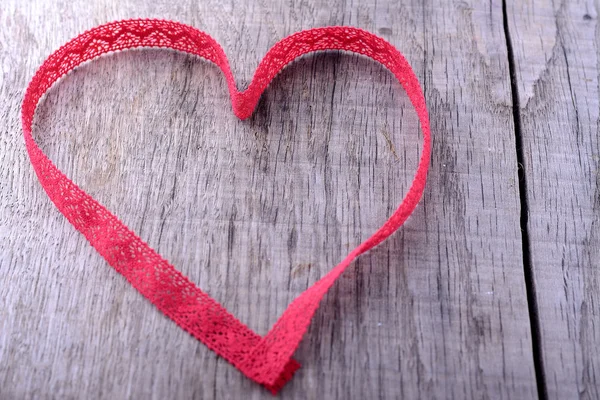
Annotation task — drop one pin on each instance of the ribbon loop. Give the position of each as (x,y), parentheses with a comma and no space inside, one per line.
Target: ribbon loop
(266,360)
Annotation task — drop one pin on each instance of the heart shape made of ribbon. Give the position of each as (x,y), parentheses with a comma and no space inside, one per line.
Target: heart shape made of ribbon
(264,359)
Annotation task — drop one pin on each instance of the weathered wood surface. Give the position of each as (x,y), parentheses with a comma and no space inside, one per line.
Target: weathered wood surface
(556,58)
(256,211)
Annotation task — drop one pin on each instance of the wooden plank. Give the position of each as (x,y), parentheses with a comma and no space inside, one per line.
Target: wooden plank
(256,211)
(556,58)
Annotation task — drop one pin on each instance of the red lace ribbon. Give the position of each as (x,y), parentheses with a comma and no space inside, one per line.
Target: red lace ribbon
(264,359)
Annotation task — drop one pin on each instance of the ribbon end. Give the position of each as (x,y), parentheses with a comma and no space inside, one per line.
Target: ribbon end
(286,374)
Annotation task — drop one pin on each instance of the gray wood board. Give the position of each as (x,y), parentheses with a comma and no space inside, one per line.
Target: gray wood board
(556,59)
(256,211)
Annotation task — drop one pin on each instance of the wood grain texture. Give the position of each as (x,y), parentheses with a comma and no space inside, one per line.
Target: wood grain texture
(556,58)
(256,211)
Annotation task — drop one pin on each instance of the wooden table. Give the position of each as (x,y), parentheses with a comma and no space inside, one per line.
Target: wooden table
(490,290)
